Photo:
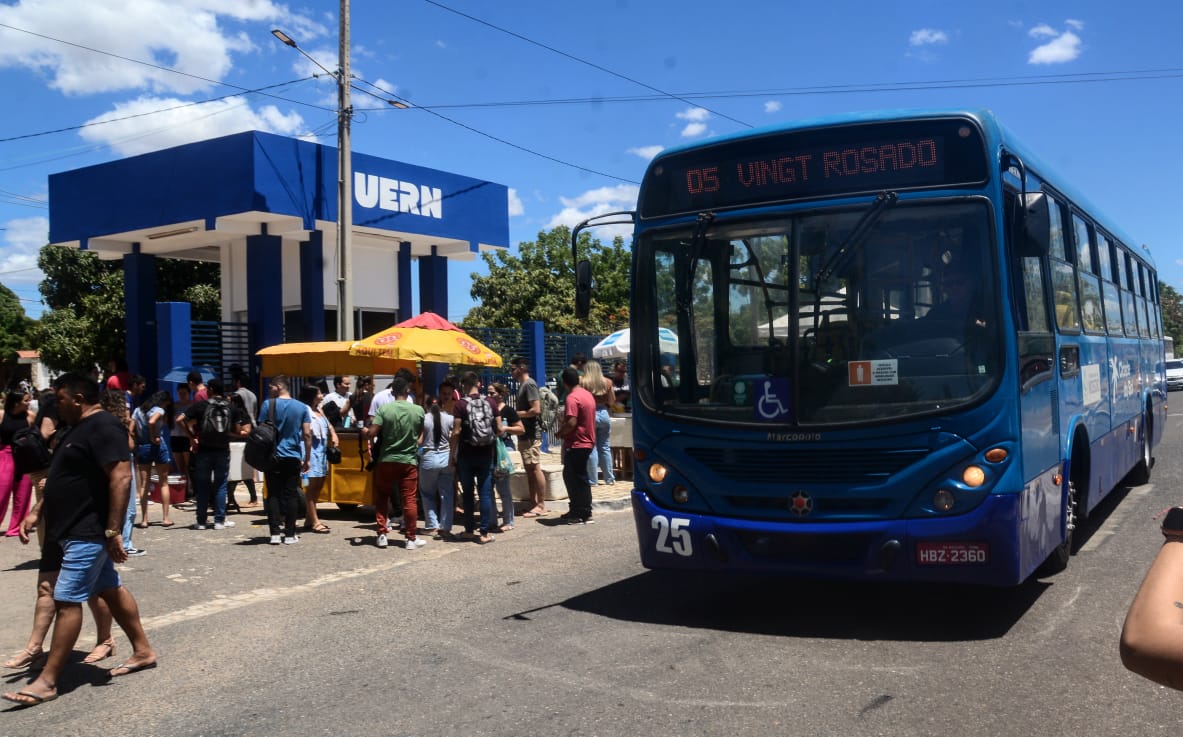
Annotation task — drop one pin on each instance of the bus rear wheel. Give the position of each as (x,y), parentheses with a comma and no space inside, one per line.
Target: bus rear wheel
(1140,474)
(1059,558)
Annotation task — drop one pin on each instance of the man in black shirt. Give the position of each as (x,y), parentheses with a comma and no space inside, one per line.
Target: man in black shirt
(85,502)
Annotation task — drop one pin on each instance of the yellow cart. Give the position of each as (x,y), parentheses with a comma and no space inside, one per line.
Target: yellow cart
(349,483)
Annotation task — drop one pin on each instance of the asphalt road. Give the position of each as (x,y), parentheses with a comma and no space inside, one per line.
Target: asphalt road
(559,631)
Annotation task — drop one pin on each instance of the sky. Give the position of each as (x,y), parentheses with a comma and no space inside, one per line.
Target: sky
(566,102)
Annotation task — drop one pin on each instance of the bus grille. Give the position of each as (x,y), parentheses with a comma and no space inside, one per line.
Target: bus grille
(818,466)
(806,548)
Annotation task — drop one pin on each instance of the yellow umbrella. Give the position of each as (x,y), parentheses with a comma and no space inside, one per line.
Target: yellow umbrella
(426,337)
(324,358)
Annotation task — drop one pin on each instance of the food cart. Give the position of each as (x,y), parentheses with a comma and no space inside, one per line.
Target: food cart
(349,483)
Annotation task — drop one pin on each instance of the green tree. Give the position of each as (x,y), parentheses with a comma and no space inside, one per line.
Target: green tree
(539,284)
(1172,313)
(86,320)
(14,328)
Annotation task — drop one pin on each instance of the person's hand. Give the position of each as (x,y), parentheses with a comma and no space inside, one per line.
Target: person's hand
(115,549)
(305,466)
(28,524)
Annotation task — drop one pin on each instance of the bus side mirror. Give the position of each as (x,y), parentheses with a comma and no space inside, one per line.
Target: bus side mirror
(1034,231)
(583,288)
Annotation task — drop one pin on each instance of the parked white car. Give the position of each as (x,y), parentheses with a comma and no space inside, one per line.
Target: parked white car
(1174,374)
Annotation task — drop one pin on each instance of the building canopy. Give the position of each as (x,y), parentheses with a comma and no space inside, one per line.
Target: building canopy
(187,201)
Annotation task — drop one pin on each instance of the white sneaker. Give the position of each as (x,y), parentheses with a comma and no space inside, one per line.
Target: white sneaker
(276,539)
(415,544)
(197,526)
(291,540)
(223,525)
(382,541)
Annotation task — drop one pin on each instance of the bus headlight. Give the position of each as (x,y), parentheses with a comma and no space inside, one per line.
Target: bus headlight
(973,476)
(942,501)
(657,473)
(681,494)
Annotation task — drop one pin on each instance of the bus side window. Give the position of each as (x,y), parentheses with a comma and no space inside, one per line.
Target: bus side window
(1063,274)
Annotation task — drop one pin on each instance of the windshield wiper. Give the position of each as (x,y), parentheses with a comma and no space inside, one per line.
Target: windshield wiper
(861,230)
(695,249)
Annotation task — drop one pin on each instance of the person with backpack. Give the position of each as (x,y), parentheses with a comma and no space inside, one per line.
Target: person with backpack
(212,423)
(292,421)
(475,430)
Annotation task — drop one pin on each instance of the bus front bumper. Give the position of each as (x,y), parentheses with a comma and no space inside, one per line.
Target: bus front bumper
(977,547)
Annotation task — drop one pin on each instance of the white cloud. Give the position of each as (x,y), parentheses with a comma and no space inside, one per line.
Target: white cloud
(1064,47)
(515,204)
(1077,25)
(597,202)
(928,36)
(646,152)
(772,106)
(186,35)
(23,239)
(184,124)
(1042,30)
(697,118)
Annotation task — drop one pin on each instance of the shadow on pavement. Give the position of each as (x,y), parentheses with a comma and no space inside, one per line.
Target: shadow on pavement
(793,608)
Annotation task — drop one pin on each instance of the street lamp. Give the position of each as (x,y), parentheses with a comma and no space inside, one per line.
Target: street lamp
(344,175)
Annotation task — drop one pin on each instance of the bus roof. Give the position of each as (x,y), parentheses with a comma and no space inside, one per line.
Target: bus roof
(997,137)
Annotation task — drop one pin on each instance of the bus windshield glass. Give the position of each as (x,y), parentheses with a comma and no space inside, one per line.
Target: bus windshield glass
(823,317)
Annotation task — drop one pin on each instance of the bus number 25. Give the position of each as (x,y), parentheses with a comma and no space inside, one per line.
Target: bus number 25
(673,535)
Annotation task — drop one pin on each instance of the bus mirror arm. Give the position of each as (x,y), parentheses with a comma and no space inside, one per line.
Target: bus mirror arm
(583,269)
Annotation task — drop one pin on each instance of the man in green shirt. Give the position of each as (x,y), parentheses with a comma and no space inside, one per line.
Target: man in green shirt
(400,425)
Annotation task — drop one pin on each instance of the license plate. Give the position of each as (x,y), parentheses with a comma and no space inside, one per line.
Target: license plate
(952,553)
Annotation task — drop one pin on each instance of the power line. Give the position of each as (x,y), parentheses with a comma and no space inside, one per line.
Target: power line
(1035,80)
(572,57)
(490,136)
(150,112)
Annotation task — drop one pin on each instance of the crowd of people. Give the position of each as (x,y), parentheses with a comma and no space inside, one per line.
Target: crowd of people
(104,447)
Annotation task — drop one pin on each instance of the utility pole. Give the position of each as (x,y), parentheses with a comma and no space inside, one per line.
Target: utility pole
(344,187)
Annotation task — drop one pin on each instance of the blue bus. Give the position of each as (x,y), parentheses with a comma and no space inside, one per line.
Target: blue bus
(906,351)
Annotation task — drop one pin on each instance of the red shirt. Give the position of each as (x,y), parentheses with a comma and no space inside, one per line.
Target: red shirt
(581,405)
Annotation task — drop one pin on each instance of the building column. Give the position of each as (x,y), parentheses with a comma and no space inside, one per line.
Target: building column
(433,297)
(405,303)
(175,345)
(264,290)
(433,284)
(312,286)
(139,304)
(534,336)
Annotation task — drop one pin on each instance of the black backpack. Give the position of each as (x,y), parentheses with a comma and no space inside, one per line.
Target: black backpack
(262,442)
(332,413)
(215,422)
(29,450)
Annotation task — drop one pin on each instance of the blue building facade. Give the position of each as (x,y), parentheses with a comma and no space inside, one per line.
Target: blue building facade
(265,208)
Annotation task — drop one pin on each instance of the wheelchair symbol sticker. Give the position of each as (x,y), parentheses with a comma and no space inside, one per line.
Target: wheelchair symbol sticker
(770,399)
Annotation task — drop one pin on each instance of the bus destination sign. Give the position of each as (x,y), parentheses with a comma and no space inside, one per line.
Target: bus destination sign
(806,164)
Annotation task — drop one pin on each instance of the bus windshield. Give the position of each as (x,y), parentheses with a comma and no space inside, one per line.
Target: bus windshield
(822,317)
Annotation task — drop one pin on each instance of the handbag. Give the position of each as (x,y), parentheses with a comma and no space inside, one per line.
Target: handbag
(263,442)
(333,455)
(502,464)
